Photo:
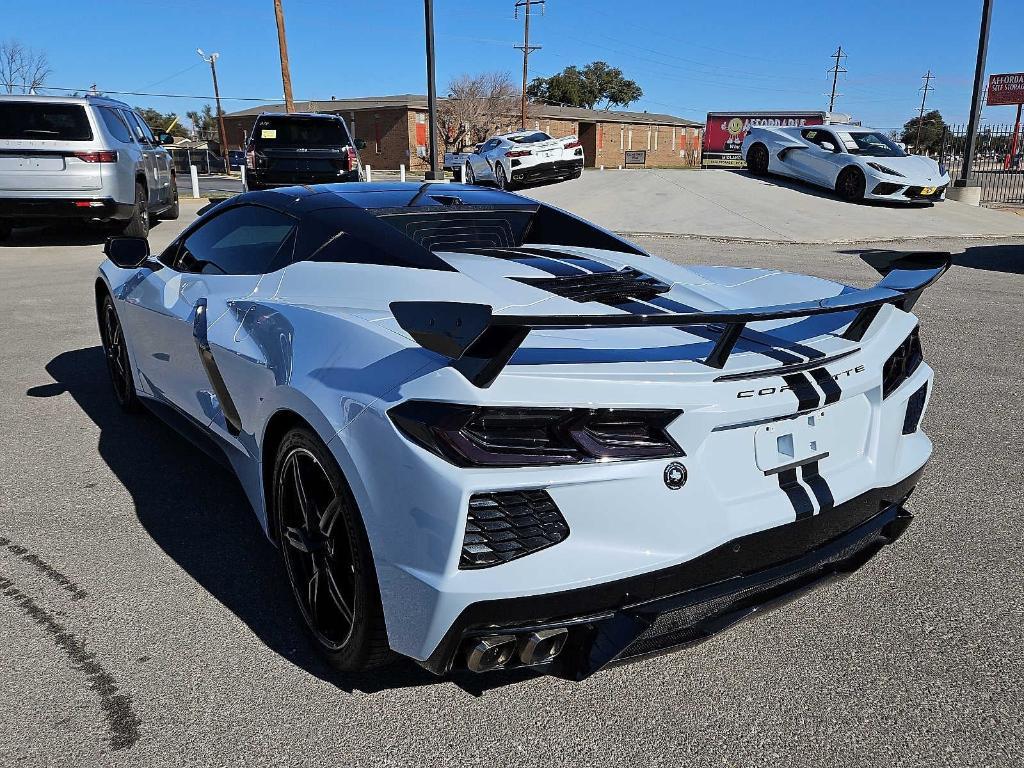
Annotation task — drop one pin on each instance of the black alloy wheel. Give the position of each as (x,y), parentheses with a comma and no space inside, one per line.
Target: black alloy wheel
(326,555)
(138,224)
(757,160)
(469,176)
(499,177)
(851,184)
(116,353)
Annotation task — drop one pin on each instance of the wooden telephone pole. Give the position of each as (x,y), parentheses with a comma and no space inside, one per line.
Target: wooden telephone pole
(282,44)
(526,48)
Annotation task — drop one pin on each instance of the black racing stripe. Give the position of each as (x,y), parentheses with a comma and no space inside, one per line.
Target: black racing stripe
(793,346)
(807,396)
(818,485)
(583,262)
(828,385)
(671,305)
(635,307)
(797,494)
(542,263)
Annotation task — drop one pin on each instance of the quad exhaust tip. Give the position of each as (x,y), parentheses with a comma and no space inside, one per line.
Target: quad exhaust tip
(497,651)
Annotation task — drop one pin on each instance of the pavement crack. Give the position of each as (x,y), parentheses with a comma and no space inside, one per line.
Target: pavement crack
(76,592)
(122,722)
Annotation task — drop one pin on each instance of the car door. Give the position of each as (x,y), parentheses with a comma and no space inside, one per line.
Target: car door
(483,163)
(148,148)
(213,264)
(817,162)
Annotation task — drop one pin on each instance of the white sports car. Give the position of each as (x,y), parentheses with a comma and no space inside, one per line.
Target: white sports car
(484,433)
(858,163)
(519,158)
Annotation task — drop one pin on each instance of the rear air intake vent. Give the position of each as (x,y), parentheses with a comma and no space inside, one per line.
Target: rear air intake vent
(604,287)
(506,525)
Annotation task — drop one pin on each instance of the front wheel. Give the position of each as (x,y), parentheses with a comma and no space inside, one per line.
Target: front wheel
(757,160)
(851,184)
(327,556)
(116,351)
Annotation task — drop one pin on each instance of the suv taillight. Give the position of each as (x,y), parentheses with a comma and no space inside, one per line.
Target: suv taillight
(518,152)
(250,160)
(573,144)
(103,156)
(347,156)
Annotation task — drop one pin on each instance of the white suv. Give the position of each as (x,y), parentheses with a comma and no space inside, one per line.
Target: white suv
(91,159)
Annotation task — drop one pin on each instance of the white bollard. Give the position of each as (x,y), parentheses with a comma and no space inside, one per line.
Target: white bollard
(401,172)
(620,167)
(369,173)
(195,181)
(602,167)
(242,169)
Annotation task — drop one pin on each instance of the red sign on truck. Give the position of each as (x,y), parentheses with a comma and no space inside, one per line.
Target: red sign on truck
(725,131)
(1005,89)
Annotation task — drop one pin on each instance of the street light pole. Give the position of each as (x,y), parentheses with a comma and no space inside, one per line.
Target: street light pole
(212,61)
(979,85)
(428,12)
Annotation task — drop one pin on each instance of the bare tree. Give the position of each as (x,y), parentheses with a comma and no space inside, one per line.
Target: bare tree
(22,69)
(476,107)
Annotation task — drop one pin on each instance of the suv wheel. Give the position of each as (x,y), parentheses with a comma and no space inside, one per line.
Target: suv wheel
(138,224)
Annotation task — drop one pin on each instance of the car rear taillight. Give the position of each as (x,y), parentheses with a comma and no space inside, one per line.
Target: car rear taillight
(902,363)
(348,157)
(573,144)
(250,160)
(518,152)
(472,436)
(103,156)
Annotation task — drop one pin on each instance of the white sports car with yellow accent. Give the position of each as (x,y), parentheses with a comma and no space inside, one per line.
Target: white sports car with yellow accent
(858,163)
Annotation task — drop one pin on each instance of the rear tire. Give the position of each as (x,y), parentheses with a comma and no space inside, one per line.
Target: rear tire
(327,555)
(577,173)
(138,224)
(851,184)
(757,160)
(468,177)
(500,179)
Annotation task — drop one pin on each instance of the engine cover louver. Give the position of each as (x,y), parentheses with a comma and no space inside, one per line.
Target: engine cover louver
(604,287)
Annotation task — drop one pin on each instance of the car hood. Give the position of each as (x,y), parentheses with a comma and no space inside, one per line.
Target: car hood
(917,168)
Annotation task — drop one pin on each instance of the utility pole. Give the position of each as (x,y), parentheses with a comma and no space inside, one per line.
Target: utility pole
(836,71)
(920,118)
(282,44)
(428,17)
(212,61)
(979,85)
(526,48)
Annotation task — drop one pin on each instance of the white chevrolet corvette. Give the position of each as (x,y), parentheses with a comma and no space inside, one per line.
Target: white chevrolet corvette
(485,433)
(858,163)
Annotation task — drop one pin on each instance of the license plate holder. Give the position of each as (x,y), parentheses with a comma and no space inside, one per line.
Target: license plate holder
(927,191)
(781,444)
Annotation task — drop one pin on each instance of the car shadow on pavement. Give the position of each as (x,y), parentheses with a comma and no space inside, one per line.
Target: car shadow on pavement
(196,512)
(1001,257)
(815,191)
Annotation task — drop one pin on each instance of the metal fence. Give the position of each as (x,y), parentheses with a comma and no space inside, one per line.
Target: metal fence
(203,159)
(998,165)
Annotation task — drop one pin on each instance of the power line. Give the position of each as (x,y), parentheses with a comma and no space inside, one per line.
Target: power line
(837,70)
(924,97)
(526,48)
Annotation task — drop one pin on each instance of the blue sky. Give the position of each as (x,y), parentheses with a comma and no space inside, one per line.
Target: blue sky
(689,57)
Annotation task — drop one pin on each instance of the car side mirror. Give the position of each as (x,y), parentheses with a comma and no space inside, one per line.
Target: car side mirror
(828,146)
(165,138)
(127,252)
(360,143)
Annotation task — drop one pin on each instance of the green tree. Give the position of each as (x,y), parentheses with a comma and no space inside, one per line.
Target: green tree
(932,130)
(596,83)
(159,121)
(204,123)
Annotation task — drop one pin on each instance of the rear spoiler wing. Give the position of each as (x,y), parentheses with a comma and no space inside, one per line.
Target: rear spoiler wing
(480,343)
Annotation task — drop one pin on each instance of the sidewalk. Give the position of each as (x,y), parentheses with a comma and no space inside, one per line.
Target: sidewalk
(731,205)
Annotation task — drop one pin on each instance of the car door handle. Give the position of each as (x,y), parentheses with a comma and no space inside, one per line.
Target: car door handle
(220,389)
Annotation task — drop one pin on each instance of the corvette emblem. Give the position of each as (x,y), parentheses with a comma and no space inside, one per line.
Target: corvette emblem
(675,476)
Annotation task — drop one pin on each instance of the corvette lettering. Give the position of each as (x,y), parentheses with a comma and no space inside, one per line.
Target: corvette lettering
(764,391)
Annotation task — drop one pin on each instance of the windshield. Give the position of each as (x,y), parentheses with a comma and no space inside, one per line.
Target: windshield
(871,144)
(270,132)
(44,120)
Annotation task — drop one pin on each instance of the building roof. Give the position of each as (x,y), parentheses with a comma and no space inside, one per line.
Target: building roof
(417,101)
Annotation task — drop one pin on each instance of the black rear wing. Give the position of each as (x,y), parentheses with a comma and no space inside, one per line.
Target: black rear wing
(480,343)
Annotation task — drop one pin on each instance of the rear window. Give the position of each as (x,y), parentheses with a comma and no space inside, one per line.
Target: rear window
(299,132)
(41,120)
(530,138)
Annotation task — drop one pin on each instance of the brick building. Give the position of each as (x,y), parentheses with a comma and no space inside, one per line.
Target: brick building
(395,131)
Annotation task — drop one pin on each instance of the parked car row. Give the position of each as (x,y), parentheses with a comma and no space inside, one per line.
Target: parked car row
(90,159)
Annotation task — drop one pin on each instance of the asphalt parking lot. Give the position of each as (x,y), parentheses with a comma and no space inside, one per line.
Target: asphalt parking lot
(145,620)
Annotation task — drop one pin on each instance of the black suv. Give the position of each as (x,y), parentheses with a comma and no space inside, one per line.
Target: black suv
(300,148)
